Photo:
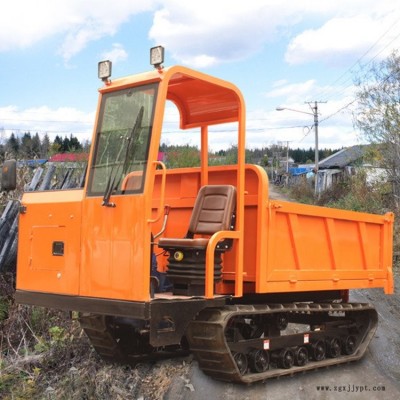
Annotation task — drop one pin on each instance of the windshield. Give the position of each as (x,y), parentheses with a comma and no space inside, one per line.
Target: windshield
(123,138)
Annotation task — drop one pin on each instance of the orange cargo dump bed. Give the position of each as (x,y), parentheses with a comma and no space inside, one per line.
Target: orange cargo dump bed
(290,247)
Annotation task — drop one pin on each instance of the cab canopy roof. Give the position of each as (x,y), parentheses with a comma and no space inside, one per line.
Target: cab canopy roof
(201,99)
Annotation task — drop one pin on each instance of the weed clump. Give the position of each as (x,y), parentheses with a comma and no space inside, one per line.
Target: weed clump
(44,354)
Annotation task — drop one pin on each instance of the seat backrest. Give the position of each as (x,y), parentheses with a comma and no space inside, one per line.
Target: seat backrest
(212,210)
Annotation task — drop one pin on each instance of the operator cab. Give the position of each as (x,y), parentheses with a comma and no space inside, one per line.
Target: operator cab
(125,165)
(92,244)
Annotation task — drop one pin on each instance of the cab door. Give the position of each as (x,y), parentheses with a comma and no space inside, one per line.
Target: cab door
(115,239)
(115,250)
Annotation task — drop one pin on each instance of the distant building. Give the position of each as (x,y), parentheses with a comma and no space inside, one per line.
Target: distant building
(346,162)
(69,157)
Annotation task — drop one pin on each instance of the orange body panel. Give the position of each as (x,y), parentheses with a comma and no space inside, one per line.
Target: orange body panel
(112,249)
(50,217)
(106,263)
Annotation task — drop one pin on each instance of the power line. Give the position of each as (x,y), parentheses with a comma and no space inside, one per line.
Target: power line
(338,111)
(358,61)
(379,84)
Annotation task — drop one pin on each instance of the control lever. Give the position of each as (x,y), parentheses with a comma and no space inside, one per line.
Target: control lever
(164,225)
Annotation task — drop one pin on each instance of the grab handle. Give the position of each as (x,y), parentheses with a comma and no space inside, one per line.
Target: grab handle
(162,191)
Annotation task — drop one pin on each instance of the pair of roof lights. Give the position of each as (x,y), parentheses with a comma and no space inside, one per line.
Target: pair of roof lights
(156,59)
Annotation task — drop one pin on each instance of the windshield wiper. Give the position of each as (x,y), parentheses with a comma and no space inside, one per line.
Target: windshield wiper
(109,189)
(131,139)
(112,184)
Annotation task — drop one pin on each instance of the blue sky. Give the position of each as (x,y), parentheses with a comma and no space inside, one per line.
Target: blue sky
(278,52)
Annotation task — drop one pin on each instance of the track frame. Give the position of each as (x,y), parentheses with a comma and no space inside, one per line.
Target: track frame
(216,349)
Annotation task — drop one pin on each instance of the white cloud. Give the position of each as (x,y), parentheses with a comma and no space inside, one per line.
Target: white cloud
(342,37)
(293,91)
(200,61)
(116,54)
(210,32)
(60,121)
(284,92)
(279,83)
(25,22)
(205,33)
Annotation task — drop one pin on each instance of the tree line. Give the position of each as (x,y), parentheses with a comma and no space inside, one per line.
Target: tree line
(188,155)
(28,146)
(278,152)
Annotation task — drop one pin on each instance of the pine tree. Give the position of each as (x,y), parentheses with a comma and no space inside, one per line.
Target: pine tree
(12,145)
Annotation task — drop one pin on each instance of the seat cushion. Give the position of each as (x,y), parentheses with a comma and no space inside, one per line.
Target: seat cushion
(173,243)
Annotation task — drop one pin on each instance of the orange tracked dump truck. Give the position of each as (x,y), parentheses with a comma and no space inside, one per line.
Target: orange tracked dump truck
(162,261)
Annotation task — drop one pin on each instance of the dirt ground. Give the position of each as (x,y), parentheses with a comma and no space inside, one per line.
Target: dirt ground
(376,376)
(276,194)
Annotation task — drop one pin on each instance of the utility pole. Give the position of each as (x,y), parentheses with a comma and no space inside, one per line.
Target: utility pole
(315,113)
(287,153)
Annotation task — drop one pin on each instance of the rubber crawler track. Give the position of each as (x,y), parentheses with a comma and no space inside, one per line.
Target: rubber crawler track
(208,340)
(119,343)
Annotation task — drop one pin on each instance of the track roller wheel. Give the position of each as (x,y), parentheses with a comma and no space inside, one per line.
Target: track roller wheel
(241,362)
(300,356)
(284,358)
(349,344)
(318,350)
(281,321)
(333,347)
(258,360)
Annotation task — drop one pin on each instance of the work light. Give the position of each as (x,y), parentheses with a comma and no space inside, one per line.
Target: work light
(104,70)
(157,56)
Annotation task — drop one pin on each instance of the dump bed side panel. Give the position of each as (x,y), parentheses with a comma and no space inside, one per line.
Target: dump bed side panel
(318,248)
